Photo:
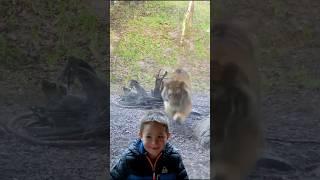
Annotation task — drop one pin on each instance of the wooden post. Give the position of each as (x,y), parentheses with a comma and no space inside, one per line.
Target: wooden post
(187,22)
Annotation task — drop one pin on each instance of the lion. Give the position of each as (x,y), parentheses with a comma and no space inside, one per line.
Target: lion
(237,132)
(176,95)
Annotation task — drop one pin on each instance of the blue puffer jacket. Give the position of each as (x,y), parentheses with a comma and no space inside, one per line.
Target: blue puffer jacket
(134,165)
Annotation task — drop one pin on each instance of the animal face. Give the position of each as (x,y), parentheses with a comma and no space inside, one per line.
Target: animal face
(174,92)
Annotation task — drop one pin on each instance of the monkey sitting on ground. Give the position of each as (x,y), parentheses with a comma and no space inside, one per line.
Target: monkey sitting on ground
(176,95)
(135,85)
(237,128)
(53,91)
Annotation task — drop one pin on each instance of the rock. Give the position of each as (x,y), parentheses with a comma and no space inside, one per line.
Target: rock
(202,132)
(269,161)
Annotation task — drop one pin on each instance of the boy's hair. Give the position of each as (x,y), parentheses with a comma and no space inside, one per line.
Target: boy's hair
(155,116)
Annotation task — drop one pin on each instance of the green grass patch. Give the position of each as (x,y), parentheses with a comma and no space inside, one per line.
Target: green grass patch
(146,38)
(136,47)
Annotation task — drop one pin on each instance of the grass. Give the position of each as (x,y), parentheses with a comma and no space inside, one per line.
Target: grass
(280,43)
(146,38)
(47,31)
(300,76)
(278,73)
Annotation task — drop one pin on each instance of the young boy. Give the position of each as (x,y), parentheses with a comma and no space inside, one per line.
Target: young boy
(151,156)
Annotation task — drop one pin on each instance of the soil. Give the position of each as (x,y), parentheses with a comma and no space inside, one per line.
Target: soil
(292,137)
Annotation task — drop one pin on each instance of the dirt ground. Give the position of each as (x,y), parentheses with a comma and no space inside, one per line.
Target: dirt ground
(292,137)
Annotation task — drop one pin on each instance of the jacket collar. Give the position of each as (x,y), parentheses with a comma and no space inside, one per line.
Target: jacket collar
(141,147)
(141,150)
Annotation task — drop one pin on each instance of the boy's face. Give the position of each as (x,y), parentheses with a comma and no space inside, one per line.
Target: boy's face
(154,138)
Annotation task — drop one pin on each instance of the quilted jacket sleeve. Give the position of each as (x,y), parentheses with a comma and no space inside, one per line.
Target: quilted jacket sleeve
(120,170)
(182,173)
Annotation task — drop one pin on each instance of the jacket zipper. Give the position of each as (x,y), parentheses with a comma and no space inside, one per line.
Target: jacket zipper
(153,166)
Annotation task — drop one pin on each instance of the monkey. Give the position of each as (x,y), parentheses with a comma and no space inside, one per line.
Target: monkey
(237,131)
(67,119)
(138,88)
(53,91)
(176,95)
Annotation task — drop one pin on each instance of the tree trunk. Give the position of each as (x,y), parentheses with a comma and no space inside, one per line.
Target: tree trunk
(187,22)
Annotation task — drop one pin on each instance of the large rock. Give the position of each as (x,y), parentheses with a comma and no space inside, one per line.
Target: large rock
(202,132)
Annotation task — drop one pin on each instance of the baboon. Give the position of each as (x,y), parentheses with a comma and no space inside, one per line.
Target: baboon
(237,127)
(176,96)
(53,91)
(138,88)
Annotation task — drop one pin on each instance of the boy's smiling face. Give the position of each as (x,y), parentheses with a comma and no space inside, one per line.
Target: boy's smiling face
(154,137)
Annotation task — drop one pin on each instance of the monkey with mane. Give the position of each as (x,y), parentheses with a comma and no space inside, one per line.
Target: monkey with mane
(237,130)
(176,95)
